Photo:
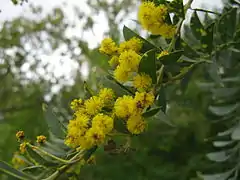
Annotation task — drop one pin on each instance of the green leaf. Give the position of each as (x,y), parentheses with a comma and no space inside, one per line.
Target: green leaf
(128,34)
(224,92)
(186,78)
(120,126)
(196,26)
(7,169)
(213,72)
(39,158)
(161,99)
(53,123)
(187,50)
(151,112)
(218,156)
(226,133)
(31,168)
(171,58)
(177,7)
(222,143)
(161,116)
(236,133)
(227,25)
(109,82)
(220,176)
(207,39)
(88,91)
(89,152)
(148,65)
(223,110)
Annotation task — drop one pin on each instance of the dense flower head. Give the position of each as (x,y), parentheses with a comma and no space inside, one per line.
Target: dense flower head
(104,122)
(22,147)
(108,46)
(168,31)
(20,135)
(134,44)
(136,124)
(129,60)
(41,139)
(94,136)
(94,105)
(107,95)
(121,74)
(124,106)
(142,82)
(76,104)
(17,161)
(152,18)
(144,99)
(163,53)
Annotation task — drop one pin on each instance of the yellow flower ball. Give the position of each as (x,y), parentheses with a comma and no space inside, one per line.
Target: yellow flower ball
(134,44)
(142,82)
(124,106)
(152,18)
(94,136)
(76,104)
(136,124)
(168,31)
(129,60)
(20,135)
(103,122)
(108,46)
(107,95)
(121,74)
(41,139)
(144,99)
(94,105)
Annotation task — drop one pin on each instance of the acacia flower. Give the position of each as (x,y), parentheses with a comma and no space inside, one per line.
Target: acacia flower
(103,122)
(41,139)
(20,135)
(136,124)
(94,105)
(142,81)
(134,44)
(124,106)
(108,46)
(143,99)
(107,95)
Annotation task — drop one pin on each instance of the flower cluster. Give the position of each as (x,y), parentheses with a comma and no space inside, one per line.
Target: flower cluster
(125,61)
(130,109)
(92,120)
(41,139)
(152,18)
(20,135)
(17,161)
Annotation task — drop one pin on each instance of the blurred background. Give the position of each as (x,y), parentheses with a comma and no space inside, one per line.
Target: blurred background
(49,48)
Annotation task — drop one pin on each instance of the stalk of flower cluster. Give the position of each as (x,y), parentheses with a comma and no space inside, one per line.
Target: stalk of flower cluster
(75,159)
(173,41)
(48,154)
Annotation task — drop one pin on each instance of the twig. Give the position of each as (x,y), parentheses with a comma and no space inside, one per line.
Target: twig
(203,10)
